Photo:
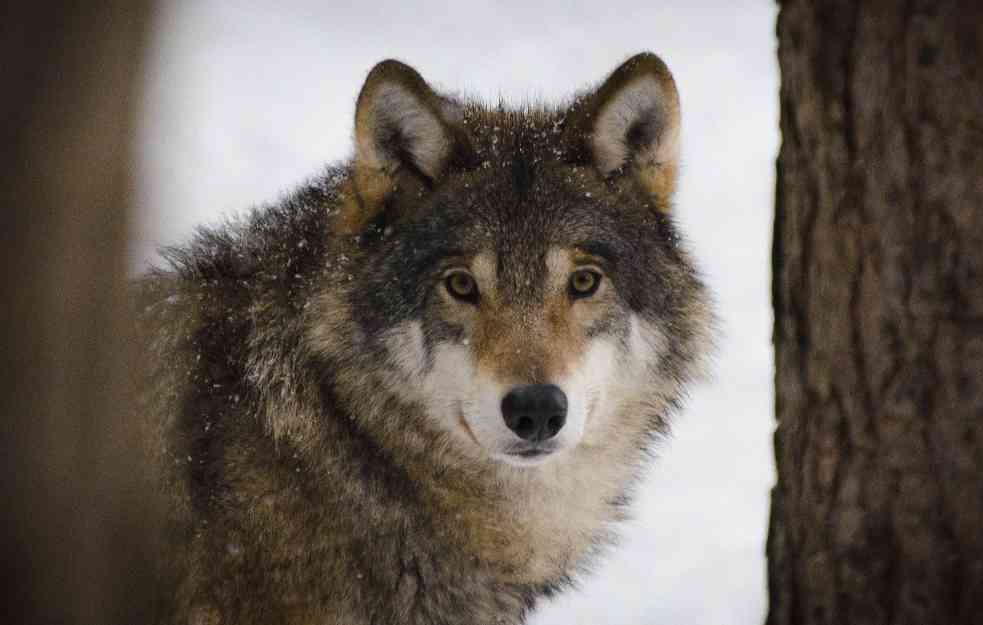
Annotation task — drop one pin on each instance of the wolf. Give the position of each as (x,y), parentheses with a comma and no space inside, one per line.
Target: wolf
(421,388)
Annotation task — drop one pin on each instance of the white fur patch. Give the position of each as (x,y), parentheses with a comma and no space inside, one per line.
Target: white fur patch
(645,96)
(405,346)
(609,382)
(448,389)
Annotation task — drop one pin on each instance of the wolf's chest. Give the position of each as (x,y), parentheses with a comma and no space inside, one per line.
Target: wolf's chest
(551,521)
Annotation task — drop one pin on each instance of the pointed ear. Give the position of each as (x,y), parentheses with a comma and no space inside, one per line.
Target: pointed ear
(406,135)
(630,125)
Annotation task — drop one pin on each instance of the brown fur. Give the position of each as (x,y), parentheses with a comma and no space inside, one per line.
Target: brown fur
(516,346)
(315,474)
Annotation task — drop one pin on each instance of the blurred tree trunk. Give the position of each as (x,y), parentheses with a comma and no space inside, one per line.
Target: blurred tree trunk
(877,517)
(75,527)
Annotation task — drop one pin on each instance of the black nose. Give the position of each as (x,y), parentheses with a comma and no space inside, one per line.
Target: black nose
(535,412)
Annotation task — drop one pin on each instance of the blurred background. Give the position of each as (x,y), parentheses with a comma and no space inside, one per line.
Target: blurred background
(244,100)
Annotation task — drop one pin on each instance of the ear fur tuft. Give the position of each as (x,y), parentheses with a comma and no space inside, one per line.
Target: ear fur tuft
(399,118)
(402,129)
(631,124)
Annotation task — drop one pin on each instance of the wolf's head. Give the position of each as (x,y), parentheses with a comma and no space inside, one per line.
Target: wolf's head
(514,274)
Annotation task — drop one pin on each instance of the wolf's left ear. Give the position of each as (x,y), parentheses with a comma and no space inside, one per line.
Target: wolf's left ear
(630,125)
(406,136)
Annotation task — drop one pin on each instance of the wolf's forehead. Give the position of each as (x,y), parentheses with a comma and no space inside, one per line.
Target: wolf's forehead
(496,130)
(519,239)
(509,277)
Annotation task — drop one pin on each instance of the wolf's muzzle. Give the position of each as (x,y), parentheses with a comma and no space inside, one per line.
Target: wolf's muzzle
(535,412)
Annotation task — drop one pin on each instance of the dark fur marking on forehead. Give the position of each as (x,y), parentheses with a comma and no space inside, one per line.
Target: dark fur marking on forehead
(520,137)
(523,172)
(601,249)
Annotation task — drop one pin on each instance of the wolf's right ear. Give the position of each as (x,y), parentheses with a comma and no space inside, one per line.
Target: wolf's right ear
(406,135)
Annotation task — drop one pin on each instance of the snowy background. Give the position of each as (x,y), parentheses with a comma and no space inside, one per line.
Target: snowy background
(246,99)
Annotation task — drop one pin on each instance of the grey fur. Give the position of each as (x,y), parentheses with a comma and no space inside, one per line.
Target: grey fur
(307,479)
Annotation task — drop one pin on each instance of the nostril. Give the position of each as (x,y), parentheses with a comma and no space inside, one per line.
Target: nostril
(525,427)
(555,424)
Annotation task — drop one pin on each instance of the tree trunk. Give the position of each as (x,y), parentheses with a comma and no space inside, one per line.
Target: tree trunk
(877,516)
(76,536)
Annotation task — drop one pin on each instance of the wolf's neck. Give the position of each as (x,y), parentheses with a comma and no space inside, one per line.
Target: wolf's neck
(535,525)
(532,525)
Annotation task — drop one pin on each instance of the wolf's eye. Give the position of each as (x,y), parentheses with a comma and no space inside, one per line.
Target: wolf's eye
(462,286)
(584,283)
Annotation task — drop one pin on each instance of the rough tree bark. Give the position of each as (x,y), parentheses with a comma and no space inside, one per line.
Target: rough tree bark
(76,537)
(877,517)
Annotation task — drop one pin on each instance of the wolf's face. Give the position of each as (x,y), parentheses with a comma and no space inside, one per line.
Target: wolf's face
(517,272)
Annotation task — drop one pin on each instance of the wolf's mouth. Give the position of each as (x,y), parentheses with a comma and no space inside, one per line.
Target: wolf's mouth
(532,452)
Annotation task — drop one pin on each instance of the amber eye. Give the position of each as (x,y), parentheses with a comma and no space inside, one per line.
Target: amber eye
(462,286)
(584,283)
